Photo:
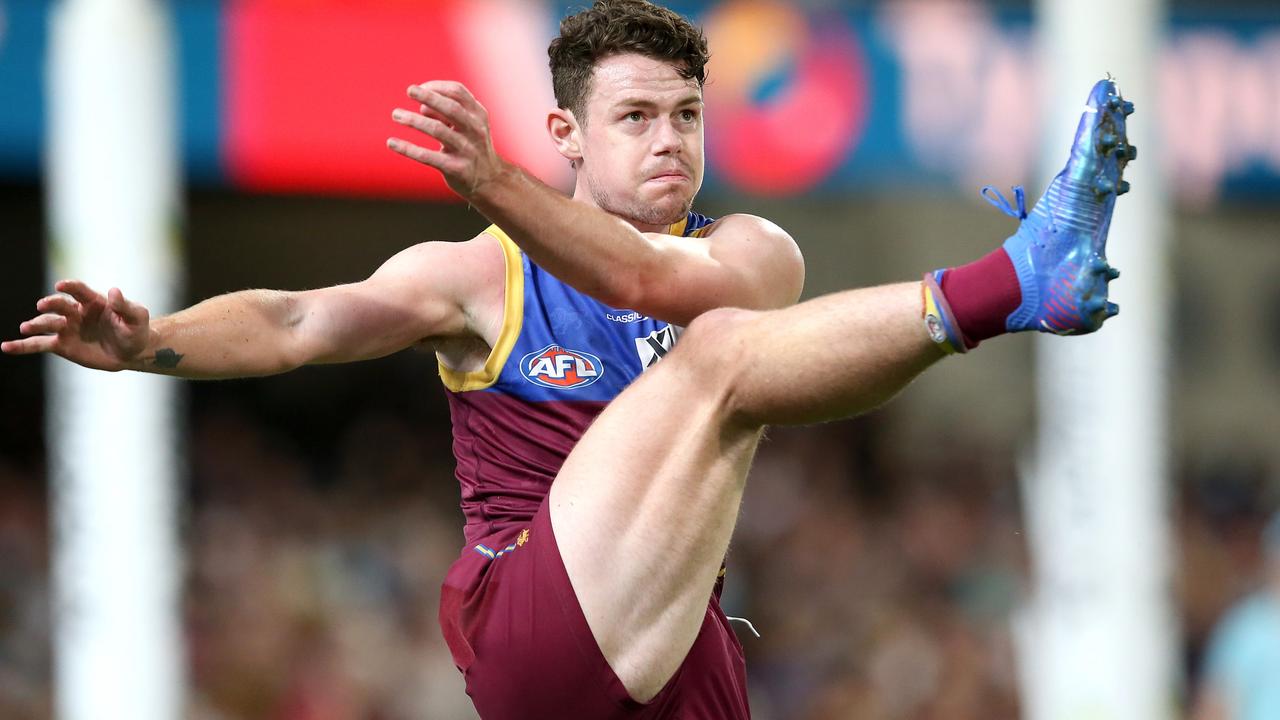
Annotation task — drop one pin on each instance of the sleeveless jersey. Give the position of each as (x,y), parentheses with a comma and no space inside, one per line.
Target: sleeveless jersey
(560,357)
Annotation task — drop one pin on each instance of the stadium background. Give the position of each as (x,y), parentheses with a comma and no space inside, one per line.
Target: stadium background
(880,557)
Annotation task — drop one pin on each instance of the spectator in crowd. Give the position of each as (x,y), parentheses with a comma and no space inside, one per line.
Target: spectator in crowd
(1242,674)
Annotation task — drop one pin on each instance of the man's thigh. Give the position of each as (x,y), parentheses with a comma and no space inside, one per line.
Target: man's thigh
(515,628)
(643,510)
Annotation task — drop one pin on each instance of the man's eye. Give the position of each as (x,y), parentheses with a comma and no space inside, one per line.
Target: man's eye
(635,116)
(688,116)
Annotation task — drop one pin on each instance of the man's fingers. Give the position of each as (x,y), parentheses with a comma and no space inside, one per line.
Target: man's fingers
(30,346)
(447,136)
(78,290)
(428,112)
(452,88)
(456,91)
(49,323)
(60,304)
(434,158)
(132,312)
(446,107)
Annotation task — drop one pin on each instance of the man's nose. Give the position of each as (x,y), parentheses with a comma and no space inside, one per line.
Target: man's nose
(666,139)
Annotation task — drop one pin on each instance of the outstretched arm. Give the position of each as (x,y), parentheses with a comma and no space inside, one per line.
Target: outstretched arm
(744,261)
(421,294)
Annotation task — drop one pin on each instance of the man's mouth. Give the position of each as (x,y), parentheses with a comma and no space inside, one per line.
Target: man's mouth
(669,176)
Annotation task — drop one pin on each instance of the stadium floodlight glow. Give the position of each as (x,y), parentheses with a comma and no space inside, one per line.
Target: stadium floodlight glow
(112,188)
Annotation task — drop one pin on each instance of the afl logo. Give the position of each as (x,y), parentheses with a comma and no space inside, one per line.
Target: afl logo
(561,368)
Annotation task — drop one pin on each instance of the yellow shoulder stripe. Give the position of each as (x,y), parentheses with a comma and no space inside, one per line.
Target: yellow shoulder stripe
(677,229)
(512,321)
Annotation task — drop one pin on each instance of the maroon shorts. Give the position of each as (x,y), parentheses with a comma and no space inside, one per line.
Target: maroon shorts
(517,633)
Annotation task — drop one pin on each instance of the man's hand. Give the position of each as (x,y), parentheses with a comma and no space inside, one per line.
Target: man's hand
(104,332)
(451,115)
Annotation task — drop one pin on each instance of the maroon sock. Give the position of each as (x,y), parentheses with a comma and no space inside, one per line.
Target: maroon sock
(982,294)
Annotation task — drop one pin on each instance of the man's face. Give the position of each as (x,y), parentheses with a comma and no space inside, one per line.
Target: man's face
(642,154)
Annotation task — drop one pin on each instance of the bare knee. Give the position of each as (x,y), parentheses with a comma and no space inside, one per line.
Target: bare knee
(715,350)
(709,345)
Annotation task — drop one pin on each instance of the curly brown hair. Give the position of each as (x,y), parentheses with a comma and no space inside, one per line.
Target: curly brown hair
(613,27)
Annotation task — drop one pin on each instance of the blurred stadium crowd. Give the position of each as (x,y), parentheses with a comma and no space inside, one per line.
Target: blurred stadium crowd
(882,582)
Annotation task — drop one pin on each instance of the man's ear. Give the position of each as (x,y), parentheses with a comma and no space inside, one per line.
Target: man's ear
(565,134)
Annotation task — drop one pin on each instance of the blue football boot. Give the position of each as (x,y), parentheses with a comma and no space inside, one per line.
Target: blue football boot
(1059,250)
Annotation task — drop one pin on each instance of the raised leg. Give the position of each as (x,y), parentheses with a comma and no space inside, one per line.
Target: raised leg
(644,507)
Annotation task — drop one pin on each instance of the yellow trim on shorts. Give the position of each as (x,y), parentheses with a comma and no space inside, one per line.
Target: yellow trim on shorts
(512,322)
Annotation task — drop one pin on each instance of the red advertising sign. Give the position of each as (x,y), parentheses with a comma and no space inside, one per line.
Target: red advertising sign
(310,87)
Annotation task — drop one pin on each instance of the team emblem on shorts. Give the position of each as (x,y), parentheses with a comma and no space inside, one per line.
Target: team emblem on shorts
(559,367)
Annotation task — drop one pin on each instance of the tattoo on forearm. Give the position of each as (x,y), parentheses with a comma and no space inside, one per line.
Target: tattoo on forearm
(167,359)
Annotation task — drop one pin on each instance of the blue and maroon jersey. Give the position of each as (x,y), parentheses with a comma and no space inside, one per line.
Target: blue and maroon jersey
(560,358)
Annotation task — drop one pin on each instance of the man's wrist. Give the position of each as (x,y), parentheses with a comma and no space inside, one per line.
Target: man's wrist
(489,189)
(154,356)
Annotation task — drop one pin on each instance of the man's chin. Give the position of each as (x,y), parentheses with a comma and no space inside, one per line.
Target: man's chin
(669,218)
(654,210)
(670,209)
(655,214)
